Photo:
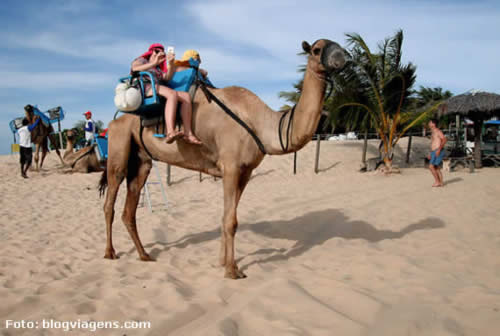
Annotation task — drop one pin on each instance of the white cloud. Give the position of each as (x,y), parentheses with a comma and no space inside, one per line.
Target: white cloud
(102,47)
(459,40)
(41,81)
(231,67)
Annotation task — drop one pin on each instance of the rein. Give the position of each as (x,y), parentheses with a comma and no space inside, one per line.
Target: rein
(210,96)
(292,114)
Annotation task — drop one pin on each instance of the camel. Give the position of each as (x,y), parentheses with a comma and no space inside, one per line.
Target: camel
(83,161)
(228,150)
(39,137)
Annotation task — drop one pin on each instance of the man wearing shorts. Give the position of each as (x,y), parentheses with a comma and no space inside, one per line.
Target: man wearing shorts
(25,149)
(438,140)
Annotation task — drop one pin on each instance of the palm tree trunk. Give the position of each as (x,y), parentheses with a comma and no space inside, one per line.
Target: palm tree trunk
(478,126)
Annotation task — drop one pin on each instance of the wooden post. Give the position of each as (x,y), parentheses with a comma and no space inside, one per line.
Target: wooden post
(478,126)
(60,134)
(294,163)
(316,162)
(457,127)
(201,179)
(365,148)
(408,150)
(168,174)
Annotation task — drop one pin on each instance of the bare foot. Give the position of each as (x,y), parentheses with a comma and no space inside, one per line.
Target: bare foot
(436,185)
(171,137)
(192,139)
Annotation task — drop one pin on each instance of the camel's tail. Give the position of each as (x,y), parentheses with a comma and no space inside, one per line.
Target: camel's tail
(103,183)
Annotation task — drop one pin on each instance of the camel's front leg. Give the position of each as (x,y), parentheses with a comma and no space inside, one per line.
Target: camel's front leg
(231,180)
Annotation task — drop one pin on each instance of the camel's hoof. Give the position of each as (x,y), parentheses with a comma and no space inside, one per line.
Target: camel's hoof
(146,257)
(234,273)
(111,255)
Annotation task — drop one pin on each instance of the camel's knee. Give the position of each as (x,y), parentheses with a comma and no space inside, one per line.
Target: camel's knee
(231,227)
(109,212)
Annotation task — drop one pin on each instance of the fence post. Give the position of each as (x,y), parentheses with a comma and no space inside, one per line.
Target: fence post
(294,163)
(316,162)
(168,174)
(408,150)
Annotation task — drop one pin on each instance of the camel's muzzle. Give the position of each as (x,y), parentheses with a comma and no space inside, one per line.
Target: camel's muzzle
(333,57)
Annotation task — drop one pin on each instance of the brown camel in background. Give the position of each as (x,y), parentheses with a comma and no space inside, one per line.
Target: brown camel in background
(82,161)
(39,137)
(228,150)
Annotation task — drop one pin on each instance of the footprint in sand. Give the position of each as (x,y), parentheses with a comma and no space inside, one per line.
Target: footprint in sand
(86,308)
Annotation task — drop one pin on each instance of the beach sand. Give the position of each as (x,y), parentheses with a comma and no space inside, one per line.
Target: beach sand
(334,253)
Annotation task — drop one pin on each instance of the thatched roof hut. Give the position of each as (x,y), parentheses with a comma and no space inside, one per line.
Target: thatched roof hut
(474,105)
(477,106)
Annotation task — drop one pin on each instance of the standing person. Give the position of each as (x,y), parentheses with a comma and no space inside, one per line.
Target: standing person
(162,67)
(89,129)
(25,150)
(438,140)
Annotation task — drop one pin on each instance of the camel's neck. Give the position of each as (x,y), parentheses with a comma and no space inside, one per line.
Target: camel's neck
(69,147)
(305,118)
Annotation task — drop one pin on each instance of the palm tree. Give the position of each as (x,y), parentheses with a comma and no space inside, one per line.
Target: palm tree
(380,85)
(426,95)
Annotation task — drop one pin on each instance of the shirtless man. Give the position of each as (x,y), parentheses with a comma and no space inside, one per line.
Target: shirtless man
(438,140)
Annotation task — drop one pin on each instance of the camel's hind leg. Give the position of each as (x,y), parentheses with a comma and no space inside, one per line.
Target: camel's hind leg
(234,182)
(116,170)
(54,143)
(137,175)
(114,179)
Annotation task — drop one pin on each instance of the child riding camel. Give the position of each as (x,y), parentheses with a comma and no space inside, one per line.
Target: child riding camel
(162,67)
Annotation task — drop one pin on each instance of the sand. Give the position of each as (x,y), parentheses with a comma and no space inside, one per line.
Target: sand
(334,253)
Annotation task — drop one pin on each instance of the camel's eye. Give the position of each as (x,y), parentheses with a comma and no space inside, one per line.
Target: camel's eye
(316,51)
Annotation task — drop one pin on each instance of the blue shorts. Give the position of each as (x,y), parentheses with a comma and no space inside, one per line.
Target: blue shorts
(436,159)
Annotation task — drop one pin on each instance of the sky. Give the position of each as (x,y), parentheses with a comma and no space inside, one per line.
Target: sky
(72,53)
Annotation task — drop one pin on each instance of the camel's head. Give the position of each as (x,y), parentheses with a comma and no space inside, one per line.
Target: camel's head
(71,134)
(325,55)
(28,111)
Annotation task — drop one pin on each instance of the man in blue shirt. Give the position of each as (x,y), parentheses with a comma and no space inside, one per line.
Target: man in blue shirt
(89,129)
(25,150)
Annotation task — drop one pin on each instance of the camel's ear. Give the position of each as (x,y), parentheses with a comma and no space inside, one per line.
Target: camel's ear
(306,46)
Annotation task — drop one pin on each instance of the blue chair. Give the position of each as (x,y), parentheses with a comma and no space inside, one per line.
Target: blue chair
(180,81)
(151,106)
(101,147)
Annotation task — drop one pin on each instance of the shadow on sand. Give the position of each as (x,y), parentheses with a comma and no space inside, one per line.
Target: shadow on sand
(308,231)
(453,180)
(329,167)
